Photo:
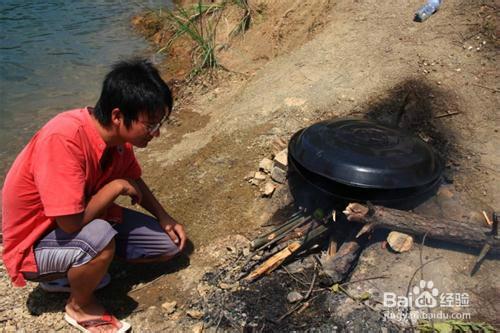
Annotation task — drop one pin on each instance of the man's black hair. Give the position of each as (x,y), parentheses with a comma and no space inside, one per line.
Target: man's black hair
(133,86)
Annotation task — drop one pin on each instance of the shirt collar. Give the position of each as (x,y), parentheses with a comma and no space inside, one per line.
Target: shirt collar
(95,138)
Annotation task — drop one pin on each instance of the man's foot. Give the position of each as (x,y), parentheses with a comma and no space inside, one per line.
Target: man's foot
(93,318)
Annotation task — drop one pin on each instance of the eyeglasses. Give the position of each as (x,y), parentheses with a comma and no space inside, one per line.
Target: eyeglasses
(153,128)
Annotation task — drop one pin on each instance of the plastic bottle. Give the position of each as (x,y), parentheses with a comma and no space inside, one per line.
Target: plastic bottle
(427,10)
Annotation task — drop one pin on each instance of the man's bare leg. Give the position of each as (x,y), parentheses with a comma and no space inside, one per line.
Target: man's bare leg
(82,305)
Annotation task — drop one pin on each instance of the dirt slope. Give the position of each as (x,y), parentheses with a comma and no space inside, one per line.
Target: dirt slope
(365,60)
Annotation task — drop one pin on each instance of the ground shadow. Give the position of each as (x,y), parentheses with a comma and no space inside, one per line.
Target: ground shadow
(416,106)
(114,297)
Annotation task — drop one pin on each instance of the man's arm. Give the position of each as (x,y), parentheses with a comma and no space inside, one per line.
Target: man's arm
(98,203)
(149,202)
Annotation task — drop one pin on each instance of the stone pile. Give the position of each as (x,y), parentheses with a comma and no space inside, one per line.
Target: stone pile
(272,173)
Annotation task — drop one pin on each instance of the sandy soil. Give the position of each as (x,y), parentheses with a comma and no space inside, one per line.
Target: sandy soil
(300,62)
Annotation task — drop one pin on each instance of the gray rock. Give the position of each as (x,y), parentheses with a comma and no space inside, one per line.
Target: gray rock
(294,297)
(278,175)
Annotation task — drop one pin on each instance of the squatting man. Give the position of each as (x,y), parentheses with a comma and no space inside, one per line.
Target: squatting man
(60,224)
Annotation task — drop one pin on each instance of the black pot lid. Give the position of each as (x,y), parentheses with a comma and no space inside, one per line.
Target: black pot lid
(365,154)
(311,190)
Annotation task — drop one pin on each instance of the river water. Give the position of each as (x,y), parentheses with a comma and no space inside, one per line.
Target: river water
(53,56)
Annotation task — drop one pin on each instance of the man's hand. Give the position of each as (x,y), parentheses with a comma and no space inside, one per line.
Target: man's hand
(175,231)
(130,188)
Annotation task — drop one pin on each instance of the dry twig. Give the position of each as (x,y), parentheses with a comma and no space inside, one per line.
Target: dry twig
(485,87)
(303,304)
(446,115)
(487,219)
(146,284)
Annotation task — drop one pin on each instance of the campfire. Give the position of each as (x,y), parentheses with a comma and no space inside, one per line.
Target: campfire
(347,178)
(332,163)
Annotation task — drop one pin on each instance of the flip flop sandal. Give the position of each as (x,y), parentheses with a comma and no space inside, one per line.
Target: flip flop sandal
(106,319)
(62,285)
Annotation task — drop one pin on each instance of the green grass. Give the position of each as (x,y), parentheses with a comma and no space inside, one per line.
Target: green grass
(199,22)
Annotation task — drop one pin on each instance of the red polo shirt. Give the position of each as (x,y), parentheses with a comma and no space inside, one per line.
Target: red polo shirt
(54,175)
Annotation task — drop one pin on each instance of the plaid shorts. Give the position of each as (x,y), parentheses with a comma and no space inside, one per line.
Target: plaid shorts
(138,236)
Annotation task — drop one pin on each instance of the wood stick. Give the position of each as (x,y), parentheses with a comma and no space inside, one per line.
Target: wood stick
(485,87)
(332,246)
(338,266)
(273,262)
(300,231)
(487,219)
(276,260)
(446,115)
(267,238)
(465,234)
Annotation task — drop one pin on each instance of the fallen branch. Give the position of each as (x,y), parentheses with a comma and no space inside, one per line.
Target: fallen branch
(365,279)
(332,246)
(465,234)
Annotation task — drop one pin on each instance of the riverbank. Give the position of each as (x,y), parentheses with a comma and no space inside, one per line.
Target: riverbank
(301,62)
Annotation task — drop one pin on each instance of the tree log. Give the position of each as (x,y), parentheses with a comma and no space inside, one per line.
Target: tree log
(338,266)
(466,234)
